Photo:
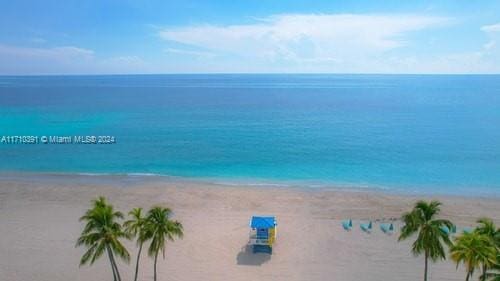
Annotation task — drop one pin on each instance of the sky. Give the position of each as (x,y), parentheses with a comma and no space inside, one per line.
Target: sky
(249,36)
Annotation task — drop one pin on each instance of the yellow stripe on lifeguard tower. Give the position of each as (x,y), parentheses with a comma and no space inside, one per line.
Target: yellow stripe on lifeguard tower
(263,234)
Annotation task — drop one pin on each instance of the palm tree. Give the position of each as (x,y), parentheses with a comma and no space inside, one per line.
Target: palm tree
(487,228)
(160,228)
(135,227)
(102,233)
(474,250)
(494,273)
(430,237)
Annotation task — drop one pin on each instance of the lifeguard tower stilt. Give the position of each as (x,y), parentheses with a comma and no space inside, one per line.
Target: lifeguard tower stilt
(263,234)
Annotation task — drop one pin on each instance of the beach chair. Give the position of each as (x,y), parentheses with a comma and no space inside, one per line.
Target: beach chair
(347,224)
(445,229)
(448,231)
(366,227)
(453,229)
(387,228)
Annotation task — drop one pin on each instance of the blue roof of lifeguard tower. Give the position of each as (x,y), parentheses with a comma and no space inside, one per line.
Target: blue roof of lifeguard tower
(263,222)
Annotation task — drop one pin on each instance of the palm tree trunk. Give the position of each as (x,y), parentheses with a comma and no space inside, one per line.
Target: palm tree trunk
(119,278)
(469,274)
(137,262)
(156,259)
(426,265)
(483,277)
(111,262)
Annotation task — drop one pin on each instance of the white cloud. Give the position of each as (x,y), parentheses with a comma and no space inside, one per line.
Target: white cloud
(493,34)
(121,65)
(128,60)
(490,45)
(305,37)
(53,60)
(200,54)
(55,53)
(332,43)
(64,60)
(328,43)
(491,28)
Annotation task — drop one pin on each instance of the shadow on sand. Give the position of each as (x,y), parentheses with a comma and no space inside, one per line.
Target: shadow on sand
(247,257)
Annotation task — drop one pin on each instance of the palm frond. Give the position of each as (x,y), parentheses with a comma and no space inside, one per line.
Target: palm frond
(101,231)
(159,228)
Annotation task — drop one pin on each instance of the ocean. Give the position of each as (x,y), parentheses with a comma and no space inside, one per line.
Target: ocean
(404,133)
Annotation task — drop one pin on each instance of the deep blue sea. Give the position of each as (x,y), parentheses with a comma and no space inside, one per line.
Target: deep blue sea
(409,133)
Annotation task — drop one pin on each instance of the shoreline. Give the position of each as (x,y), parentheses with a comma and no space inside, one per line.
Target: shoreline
(247,183)
(39,226)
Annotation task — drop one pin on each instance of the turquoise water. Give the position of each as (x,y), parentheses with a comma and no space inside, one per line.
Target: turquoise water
(428,133)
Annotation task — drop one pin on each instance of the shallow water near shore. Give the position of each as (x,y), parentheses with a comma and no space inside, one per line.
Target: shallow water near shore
(405,133)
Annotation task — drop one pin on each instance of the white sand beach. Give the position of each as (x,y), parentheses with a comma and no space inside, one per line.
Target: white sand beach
(39,226)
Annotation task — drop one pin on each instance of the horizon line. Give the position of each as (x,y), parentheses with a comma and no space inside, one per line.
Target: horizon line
(247,73)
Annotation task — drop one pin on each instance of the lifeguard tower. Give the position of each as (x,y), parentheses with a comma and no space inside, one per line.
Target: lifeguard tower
(263,234)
